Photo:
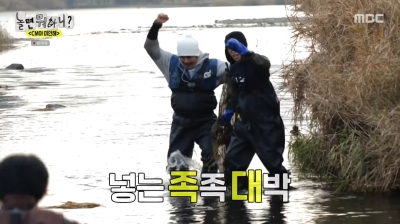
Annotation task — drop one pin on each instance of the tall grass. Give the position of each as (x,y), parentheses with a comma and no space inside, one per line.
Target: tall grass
(348,91)
(6,41)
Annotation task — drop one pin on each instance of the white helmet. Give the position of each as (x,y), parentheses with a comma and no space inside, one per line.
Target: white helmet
(188,46)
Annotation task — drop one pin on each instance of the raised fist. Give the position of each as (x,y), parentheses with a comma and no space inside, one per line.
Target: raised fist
(162,18)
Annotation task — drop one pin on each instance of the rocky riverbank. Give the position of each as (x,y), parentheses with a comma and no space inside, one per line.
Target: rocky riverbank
(228,23)
(281,21)
(8,42)
(235,23)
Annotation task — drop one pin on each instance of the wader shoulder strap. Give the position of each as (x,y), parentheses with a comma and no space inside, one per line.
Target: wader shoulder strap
(200,73)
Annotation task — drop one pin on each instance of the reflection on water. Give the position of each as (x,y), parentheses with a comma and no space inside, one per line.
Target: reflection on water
(117,119)
(210,210)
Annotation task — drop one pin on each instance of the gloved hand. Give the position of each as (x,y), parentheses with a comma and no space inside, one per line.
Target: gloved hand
(236,46)
(227,117)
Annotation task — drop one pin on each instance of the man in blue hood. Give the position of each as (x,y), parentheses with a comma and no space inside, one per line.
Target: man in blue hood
(260,129)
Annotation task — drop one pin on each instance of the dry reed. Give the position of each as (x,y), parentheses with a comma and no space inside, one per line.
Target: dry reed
(222,135)
(348,91)
(6,41)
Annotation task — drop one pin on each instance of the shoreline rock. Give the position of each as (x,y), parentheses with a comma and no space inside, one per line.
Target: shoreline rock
(50,107)
(232,23)
(227,23)
(15,66)
(248,21)
(270,21)
(74,205)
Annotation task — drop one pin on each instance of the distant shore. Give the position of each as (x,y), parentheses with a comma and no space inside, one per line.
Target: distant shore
(270,21)
(234,23)
(6,41)
(260,22)
(24,7)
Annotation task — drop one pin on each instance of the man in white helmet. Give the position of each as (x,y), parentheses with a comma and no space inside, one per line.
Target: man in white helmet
(192,77)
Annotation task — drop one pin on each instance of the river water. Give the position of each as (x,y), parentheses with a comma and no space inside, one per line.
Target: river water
(118,118)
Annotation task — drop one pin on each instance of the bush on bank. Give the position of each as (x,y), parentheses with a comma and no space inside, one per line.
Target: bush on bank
(6,40)
(348,91)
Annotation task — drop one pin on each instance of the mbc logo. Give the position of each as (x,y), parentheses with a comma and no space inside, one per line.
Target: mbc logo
(368,18)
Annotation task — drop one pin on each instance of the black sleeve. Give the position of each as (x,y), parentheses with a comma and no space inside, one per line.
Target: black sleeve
(233,96)
(261,63)
(153,32)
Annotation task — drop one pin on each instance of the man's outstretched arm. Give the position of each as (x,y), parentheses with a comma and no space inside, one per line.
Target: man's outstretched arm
(221,72)
(160,57)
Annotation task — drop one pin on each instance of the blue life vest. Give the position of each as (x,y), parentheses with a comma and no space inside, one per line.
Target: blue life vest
(193,97)
(205,75)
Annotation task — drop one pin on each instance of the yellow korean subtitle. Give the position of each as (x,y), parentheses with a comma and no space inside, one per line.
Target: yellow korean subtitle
(178,186)
(235,192)
(254,188)
(255,185)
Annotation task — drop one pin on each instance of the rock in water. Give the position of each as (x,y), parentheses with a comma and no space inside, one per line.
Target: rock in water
(15,67)
(50,107)
(75,205)
(54,106)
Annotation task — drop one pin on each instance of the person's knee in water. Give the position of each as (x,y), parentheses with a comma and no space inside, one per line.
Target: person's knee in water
(261,130)
(192,77)
(23,183)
